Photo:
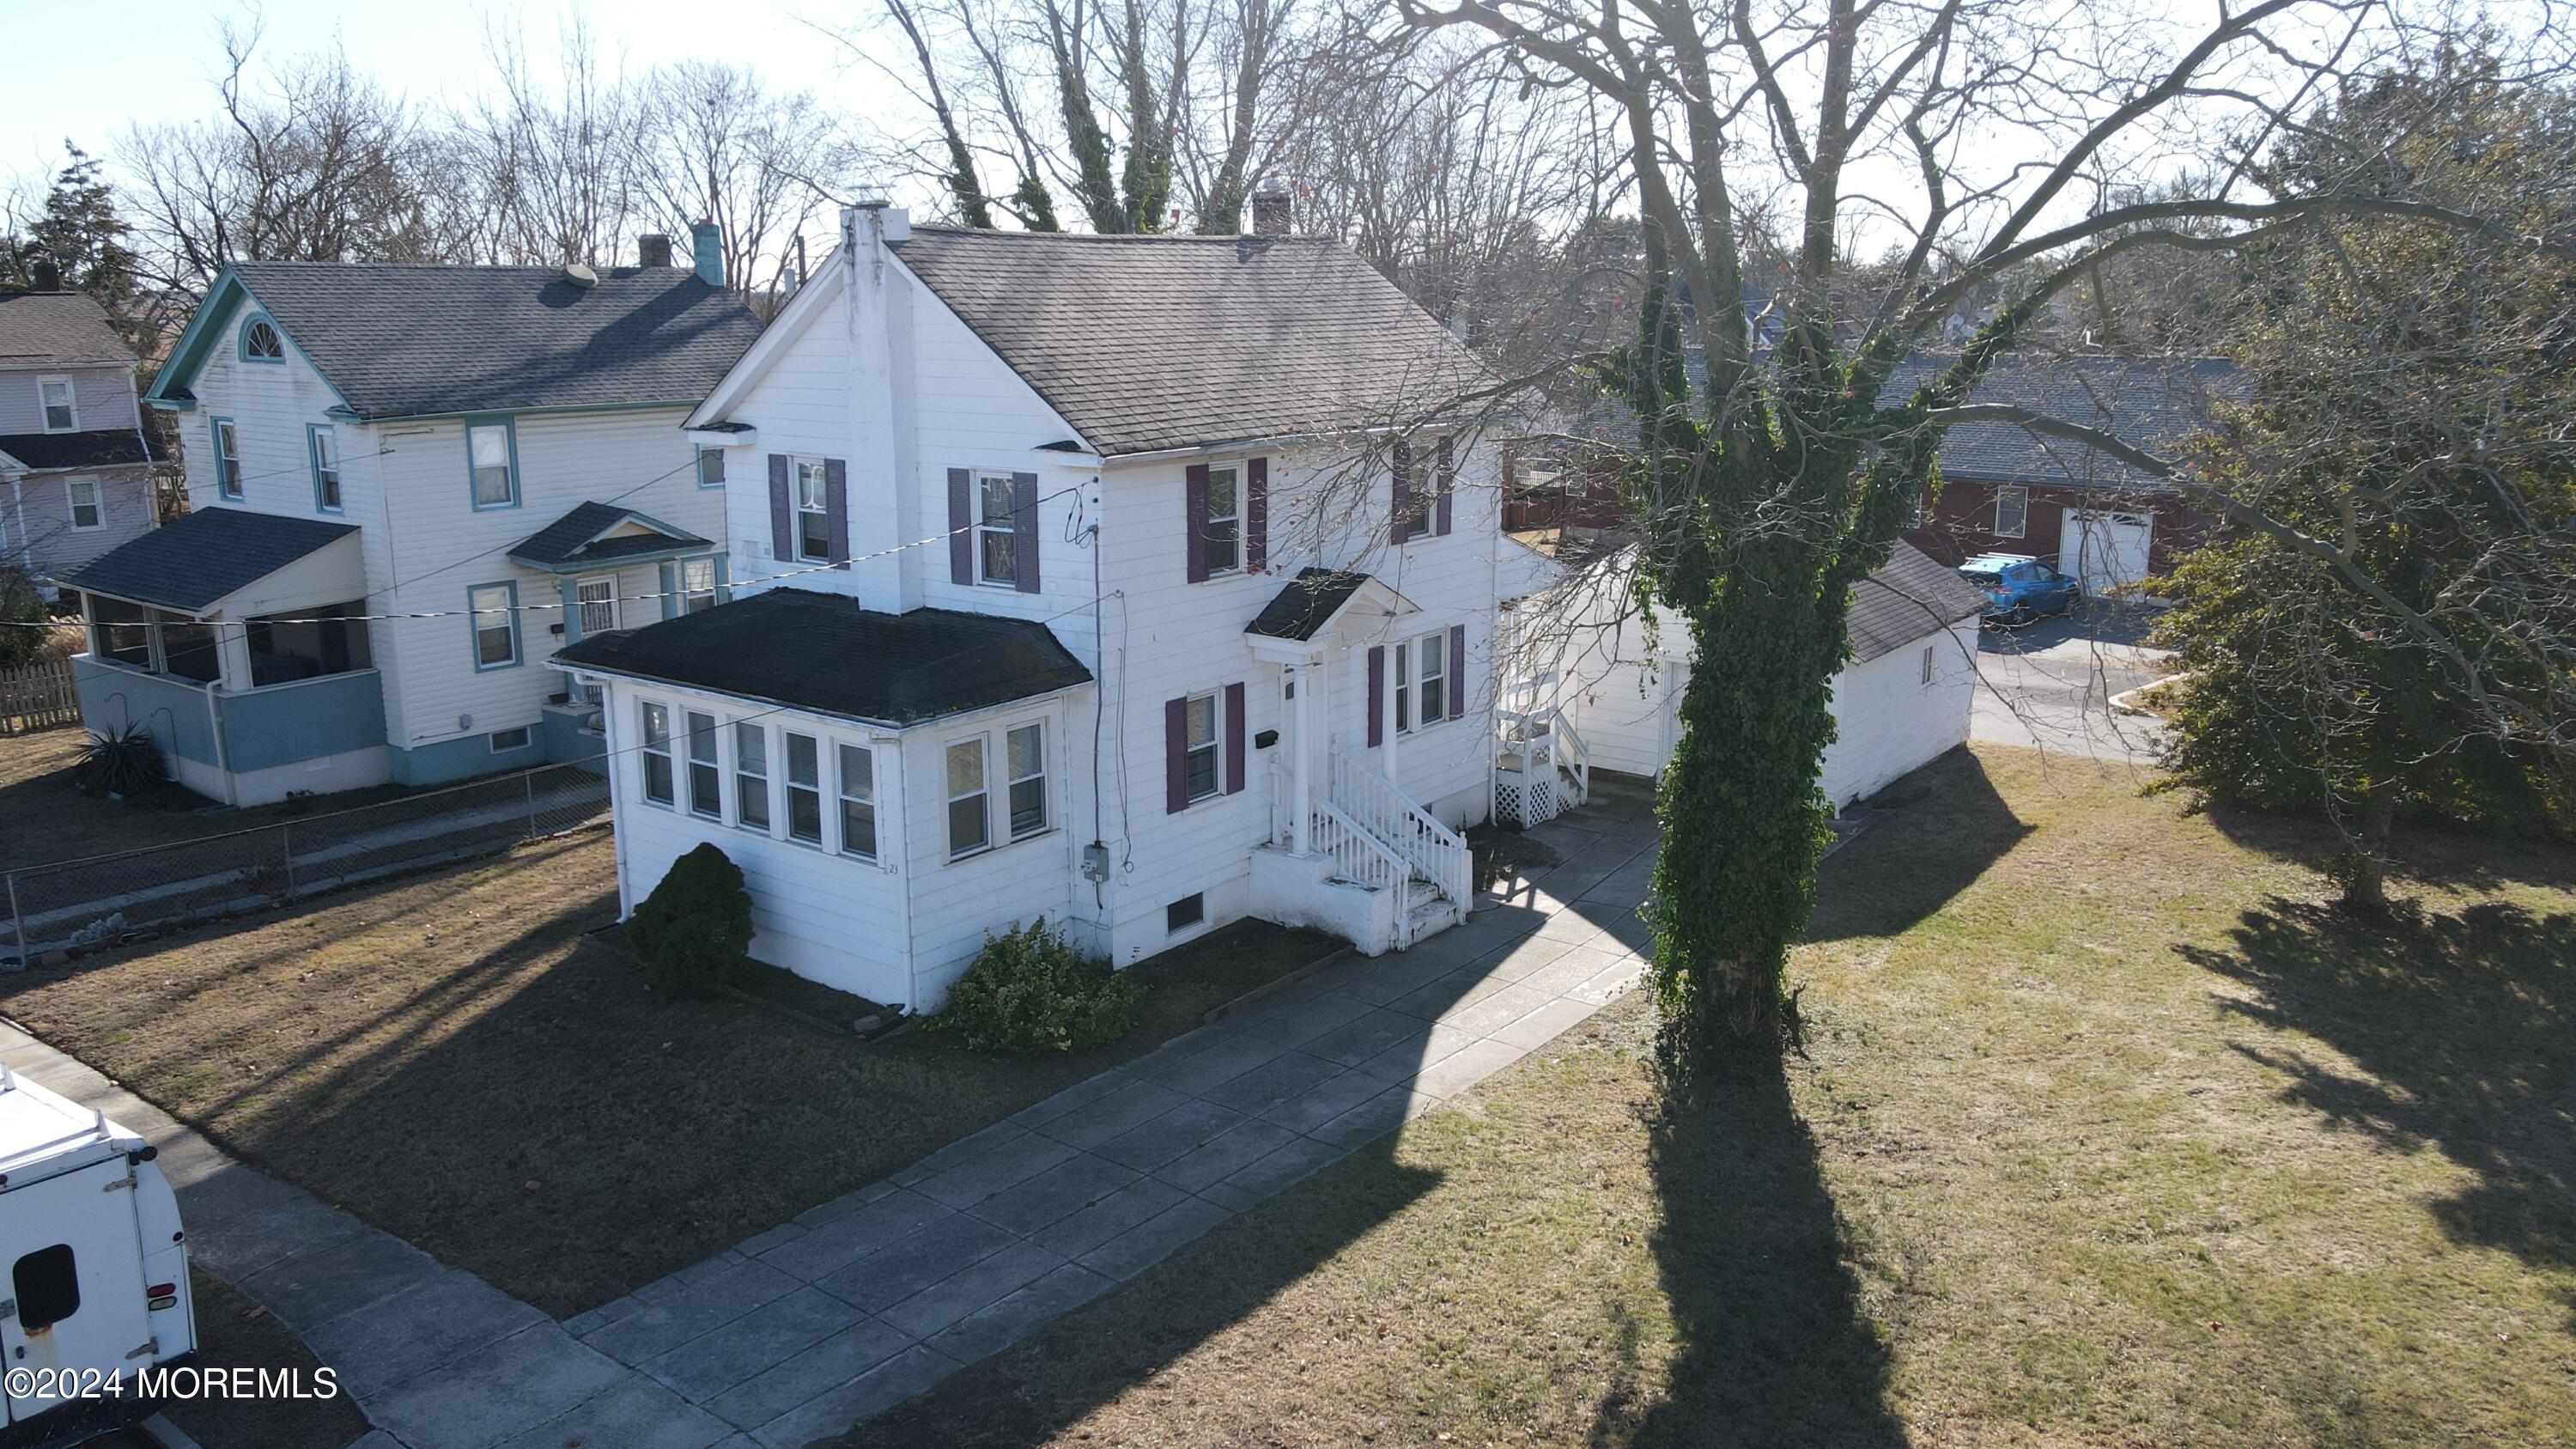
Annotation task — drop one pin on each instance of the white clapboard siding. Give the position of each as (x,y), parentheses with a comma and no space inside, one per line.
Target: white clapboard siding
(102,397)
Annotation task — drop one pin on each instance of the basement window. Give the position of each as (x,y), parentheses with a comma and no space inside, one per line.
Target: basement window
(1186,912)
(504,741)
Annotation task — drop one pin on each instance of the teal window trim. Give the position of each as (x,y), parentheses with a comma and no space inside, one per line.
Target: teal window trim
(228,466)
(510,431)
(718,455)
(314,433)
(241,339)
(476,625)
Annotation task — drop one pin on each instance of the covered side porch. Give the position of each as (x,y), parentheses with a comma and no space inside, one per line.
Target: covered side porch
(1350,851)
(613,568)
(238,642)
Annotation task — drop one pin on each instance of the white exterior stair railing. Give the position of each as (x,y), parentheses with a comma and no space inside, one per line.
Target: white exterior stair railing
(1436,853)
(1551,757)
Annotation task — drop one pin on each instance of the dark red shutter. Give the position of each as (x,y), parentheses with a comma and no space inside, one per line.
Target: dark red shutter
(836,509)
(1234,739)
(1403,494)
(1457,670)
(1024,532)
(1176,756)
(782,512)
(1447,484)
(1256,514)
(1194,520)
(1377,695)
(961,537)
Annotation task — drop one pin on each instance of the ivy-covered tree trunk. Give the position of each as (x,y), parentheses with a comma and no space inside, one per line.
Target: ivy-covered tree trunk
(1744,822)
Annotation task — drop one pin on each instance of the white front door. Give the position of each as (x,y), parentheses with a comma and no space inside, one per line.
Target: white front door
(74,1283)
(2107,551)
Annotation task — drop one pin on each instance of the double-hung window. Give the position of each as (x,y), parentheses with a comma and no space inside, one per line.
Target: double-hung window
(1432,683)
(228,465)
(494,608)
(1024,750)
(654,723)
(997,559)
(324,444)
(2012,512)
(697,585)
(84,504)
(61,404)
(858,802)
(598,600)
(1202,748)
(711,468)
(706,794)
(751,776)
(1424,683)
(970,813)
(1224,519)
(804,788)
(813,511)
(491,451)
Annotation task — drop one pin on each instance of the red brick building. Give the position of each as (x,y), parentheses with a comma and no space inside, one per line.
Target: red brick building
(2006,489)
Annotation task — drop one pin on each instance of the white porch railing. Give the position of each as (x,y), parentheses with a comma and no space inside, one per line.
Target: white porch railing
(1544,742)
(1435,852)
(1360,857)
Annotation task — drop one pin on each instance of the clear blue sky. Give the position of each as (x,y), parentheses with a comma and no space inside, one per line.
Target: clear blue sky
(88,71)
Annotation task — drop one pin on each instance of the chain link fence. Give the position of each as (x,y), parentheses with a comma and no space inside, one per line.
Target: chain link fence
(81,903)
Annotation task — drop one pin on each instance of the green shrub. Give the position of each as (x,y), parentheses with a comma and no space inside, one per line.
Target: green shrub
(695,927)
(1030,990)
(119,762)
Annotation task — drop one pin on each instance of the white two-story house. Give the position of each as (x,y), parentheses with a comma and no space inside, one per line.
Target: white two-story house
(408,486)
(75,458)
(1141,583)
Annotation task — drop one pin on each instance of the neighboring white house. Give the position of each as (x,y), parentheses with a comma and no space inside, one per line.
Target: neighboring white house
(1902,700)
(407,486)
(75,458)
(1142,583)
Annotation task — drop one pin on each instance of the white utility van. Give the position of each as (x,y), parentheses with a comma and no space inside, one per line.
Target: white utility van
(93,1269)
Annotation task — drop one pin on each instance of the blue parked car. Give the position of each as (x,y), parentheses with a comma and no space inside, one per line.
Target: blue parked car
(2018,587)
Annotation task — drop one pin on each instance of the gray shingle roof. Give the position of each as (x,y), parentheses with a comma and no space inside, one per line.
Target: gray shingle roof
(194,560)
(822,652)
(61,328)
(1910,596)
(2150,403)
(573,540)
(1306,604)
(1151,342)
(404,341)
(104,448)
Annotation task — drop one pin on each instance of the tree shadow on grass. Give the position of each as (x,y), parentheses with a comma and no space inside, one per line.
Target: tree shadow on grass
(1775,1348)
(1952,827)
(2463,1029)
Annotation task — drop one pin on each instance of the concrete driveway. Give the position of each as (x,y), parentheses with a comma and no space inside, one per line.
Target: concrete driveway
(2048,685)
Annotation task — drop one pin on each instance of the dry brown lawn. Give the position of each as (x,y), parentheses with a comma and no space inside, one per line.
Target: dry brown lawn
(2108,1136)
(453,1059)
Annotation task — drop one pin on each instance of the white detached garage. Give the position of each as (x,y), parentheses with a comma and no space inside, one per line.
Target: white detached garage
(1903,700)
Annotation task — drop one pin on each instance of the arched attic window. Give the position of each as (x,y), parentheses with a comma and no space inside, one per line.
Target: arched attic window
(260,342)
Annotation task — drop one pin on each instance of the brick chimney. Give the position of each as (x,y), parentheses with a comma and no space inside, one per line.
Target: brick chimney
(48,277)
(652,249)
(709,248)
(1271,210)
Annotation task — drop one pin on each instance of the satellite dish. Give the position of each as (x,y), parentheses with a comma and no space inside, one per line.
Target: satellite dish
(581,275)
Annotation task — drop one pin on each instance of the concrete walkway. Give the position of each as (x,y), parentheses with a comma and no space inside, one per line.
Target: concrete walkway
(806,1329)
(803,1331)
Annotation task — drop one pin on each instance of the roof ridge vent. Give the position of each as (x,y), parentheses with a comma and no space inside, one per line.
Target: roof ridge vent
(582,275)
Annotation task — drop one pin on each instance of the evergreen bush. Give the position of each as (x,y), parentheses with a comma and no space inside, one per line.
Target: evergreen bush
(694,929)
(1030,990)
